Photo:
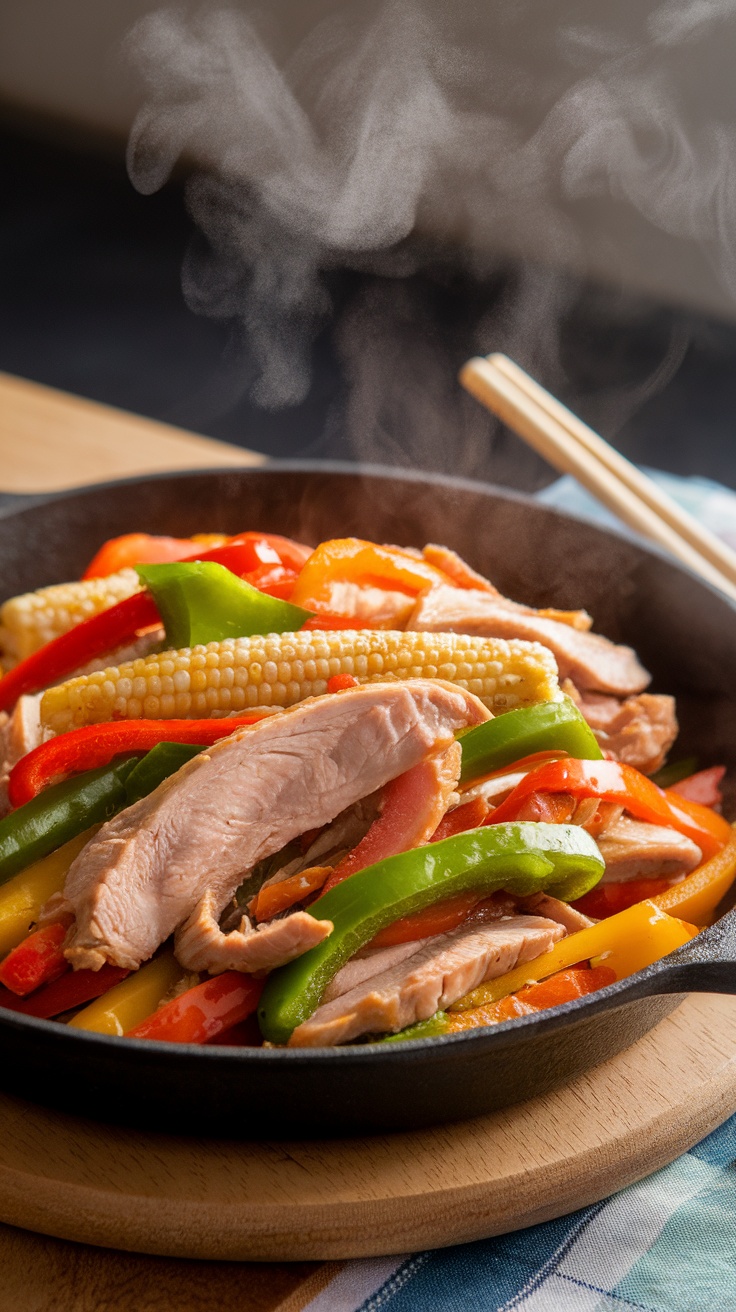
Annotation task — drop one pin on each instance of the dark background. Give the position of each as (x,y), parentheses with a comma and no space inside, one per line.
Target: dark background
(91,301)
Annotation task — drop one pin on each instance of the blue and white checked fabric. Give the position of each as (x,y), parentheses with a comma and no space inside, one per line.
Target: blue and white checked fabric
(667,1244)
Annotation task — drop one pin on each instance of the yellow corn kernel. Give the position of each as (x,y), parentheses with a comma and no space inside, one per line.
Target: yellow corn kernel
(626,942)
(281,669)
(129,1002)
(29,621)
(22,897)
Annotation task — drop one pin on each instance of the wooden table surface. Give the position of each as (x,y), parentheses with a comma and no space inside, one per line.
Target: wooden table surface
(50,441)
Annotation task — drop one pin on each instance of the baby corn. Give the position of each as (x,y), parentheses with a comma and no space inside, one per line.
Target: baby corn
(281,669)
(29,621)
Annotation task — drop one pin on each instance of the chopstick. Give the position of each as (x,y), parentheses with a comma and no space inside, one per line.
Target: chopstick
(574,448)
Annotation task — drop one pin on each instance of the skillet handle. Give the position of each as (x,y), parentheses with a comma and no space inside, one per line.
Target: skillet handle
(707,964)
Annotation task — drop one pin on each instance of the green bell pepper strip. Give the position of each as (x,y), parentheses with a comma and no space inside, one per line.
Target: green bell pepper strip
(522,858)
(60,813)
(431,1028)
(163,760)
(202,602)
(510,737)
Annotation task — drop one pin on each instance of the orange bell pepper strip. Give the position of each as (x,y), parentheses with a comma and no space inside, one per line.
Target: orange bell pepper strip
(279,897)
(437,919)
(357,561)
(612,782)
(696,897)
(38,960)
(95,745)
(563,987)
(607,899)
(203,1012)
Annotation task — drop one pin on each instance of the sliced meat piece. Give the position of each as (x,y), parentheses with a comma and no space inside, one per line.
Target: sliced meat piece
(376,608)
(638,731)
(464,576)
(19,734)
(634,850)
(542,904)
(242,800)
(590,660)
(367,964)
(201,945)
(442,970)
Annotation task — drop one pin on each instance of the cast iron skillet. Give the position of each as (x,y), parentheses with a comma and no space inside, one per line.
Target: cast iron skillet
(685,634)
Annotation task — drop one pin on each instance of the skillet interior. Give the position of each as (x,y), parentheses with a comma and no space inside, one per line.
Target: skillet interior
(685,634)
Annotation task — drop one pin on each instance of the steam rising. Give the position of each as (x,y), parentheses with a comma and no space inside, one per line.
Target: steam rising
(393,122)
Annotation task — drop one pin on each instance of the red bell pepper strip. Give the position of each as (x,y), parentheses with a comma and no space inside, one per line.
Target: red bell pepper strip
(468,816)
(38,960)
(73,989)
(608,899)
(612,782)
(203,1012)
(703,787)
(146,549)
(85,642)
(97,744)
(119,624)
(412,805)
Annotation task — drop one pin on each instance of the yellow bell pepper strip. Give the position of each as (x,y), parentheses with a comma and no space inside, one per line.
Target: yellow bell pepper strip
(517,734)
(129,1003)
(625,943)
(200,602)
(353,560)
(696,897)
(613,782)
(521,858)
(23,896)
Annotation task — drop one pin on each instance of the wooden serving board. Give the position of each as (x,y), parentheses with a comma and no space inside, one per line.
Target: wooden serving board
(278,1203)
(396,1193)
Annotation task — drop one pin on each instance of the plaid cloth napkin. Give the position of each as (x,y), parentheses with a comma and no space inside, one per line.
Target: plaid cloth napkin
(667,1244)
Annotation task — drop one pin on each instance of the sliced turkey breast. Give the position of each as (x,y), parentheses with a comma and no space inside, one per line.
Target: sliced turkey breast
(201,944)
(634,850)
(590,660)
(638,730)
(443,969)
(20,732)
(244,799)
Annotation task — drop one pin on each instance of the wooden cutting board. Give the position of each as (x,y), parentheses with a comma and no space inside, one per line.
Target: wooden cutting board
(109,1189)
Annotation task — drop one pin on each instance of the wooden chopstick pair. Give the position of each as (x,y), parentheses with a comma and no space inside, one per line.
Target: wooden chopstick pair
(574,448)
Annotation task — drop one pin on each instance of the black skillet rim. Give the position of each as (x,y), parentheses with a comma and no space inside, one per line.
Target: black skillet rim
(501,1035)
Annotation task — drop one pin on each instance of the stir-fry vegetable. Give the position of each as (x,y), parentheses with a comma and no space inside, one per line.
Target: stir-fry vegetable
(201,602)
(72,989)
(130,1002)
(59,814)
(352,560)
(37,960)
(204,1011)
(521,858)
(531,729)
(697,896)
(22,897)
(613,782)
(96,745)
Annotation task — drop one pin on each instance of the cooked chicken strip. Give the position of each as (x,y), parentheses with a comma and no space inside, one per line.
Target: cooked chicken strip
(442,970)
(590,660)
(19,734)
(638,730)
(633,850)
(201,944)
(465,576)
(543,904)
(147,869)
